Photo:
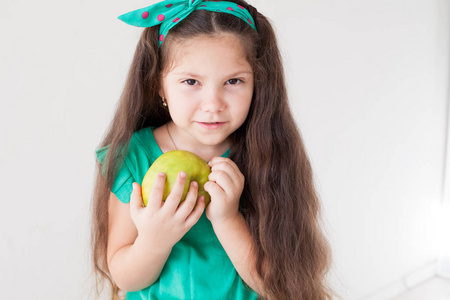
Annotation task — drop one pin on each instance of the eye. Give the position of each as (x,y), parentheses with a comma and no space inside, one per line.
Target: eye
(234,81)
(191,82)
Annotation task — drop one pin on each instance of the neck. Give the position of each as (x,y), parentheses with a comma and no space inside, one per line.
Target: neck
(208,155)
(206,152)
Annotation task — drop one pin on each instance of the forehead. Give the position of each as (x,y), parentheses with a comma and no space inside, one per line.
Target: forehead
(223,51)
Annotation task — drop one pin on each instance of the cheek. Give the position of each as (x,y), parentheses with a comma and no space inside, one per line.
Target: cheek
(247,103)
(247,94)
(247,98)
(180,110)
(177,92)
(240,107)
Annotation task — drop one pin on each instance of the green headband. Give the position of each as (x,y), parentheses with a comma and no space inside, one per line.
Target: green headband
(169,13)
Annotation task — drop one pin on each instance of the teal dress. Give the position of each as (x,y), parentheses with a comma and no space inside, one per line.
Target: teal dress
(198,266)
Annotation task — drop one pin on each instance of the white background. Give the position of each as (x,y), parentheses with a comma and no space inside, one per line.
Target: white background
(368,83)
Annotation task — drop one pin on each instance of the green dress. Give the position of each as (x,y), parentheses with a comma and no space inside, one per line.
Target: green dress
(198,266)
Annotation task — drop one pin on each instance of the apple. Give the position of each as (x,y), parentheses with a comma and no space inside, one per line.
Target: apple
(172,163)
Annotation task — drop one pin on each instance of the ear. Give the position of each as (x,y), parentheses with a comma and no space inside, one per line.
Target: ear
(161,91)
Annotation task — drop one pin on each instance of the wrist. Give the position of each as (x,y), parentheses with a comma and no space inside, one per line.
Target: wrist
(147,245)
(229,223)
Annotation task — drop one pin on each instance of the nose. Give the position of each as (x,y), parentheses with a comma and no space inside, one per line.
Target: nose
(213,100)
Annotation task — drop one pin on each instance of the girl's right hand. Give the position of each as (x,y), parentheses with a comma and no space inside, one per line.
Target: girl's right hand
(162,224)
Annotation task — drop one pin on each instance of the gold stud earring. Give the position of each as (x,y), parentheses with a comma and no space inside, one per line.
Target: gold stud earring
(164,103)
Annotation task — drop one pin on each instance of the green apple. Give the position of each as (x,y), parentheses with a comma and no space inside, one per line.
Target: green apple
(172,163)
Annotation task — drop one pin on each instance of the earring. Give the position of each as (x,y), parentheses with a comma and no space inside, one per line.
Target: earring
(164,103)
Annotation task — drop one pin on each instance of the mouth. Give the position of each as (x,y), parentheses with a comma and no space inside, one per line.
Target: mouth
(211,125)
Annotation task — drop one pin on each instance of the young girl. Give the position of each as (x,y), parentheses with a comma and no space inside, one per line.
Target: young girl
(207,77)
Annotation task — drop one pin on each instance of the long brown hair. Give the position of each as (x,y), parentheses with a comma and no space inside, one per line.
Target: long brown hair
(279,201)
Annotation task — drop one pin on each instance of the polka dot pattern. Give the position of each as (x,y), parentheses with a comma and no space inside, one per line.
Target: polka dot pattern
(171,12)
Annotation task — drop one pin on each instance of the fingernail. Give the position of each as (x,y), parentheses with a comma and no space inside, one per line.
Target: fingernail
(162,174)
(182,175)
(194,184)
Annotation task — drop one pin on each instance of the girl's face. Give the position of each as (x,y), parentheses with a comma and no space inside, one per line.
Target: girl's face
(208,86)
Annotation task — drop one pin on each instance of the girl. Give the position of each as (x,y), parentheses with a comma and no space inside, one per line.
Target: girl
(207,77)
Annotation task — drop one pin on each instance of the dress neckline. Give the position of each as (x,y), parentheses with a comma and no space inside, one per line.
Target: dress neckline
(225,154)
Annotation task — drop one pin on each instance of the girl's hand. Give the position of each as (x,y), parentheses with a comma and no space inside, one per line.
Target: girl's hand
(225,186)
(161,224)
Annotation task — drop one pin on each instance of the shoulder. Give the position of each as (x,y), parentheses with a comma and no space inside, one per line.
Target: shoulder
(137,155)
(142,135)
(143,146)
(138,142)
(141,152)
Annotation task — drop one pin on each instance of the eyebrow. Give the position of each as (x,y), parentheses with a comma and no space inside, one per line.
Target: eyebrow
(196,75)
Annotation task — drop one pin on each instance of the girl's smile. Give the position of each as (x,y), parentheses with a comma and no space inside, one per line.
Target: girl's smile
(211,125)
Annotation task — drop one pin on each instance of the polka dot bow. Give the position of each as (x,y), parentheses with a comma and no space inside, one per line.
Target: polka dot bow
(170,12)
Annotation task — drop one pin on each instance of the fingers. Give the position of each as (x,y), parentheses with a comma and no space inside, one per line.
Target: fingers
(135,199)
(226,174)
(186,207)
(213,189)
(196,213)
(222,178)
(173,200)
(156,194)
(192,208)
(223,162)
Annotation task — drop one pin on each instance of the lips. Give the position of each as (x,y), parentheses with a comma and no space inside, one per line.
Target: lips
(211,125)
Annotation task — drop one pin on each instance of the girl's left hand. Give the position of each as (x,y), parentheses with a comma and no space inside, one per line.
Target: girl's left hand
(225,185)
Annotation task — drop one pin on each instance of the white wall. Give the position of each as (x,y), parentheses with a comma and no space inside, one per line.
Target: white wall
(444,245)
(369,85)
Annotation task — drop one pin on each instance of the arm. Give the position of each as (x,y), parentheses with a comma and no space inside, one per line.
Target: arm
(225,187)
(140,239)
(130,261)
(237,242)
